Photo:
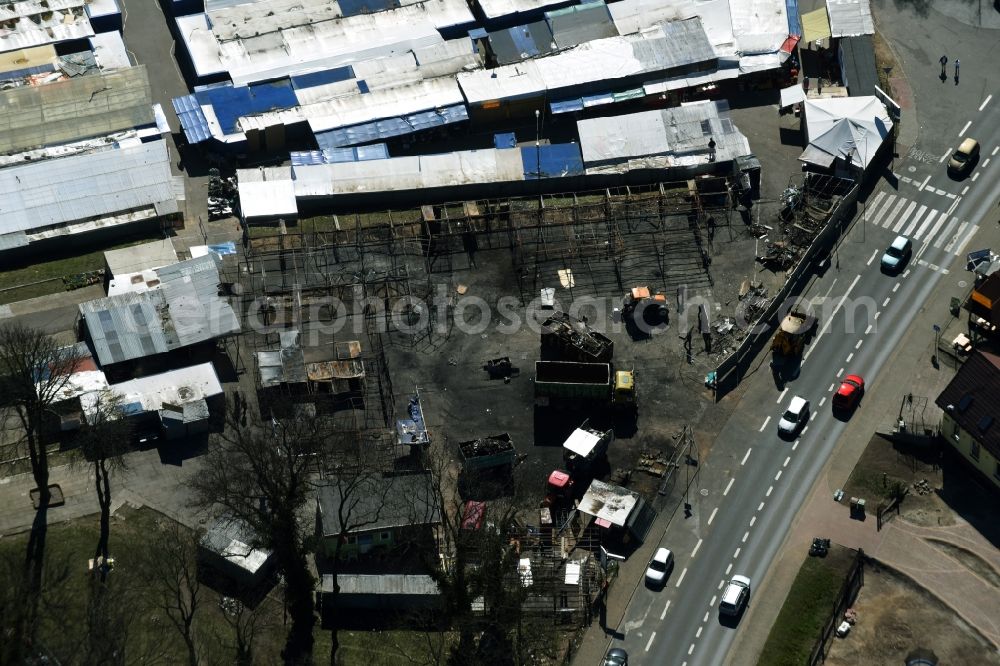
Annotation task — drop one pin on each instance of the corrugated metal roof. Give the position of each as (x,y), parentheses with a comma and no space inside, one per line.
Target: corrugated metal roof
(383,584)
(380,502)
(390,127)
(137,258)
(497,8)
(552,161)
(183,310)
(231,540)
(850,18)
(86,187)
(37,24)
(581,23)
(193,120)
(78,108)
(522,42)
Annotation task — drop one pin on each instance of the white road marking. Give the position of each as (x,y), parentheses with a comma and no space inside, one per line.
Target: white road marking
(965,128)
(753,519)
(886,301)
(876,221)
(822,400)
(764,425)
(787,460)
(965,239)
(769,491)
(812,417)
(923,227)
(697,634)
(944,157)
(849,357)
(952,196)
(691,649)
(954,239)
(902,220)
(728,569)
(746,535)
(760,507)
(805,429)
(840,373)
(895,287)
(778,475)
(946,232)
(712,517)
(705,619)
(696,547)
(937,225)
(826,326)
(870,326)
(747,455)
(832,385)
(924,184)
(874,254)
(986,162)
(895,211)
(780,397)
(916,218)
(723,581)
(858,346)
(711,604)
(794,446)
(681,579)
(665,609)
(974,176)
(650,642)
(737,553)
(985,102)
(995,150)
(730,485)
(953,206)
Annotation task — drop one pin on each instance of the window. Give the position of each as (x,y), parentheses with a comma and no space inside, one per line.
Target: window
(974,450)
(384,536)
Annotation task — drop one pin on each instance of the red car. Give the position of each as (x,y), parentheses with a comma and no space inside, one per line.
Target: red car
(850,391)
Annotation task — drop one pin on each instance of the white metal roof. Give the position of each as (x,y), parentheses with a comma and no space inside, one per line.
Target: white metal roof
(37,23)
(196,33)
(109,51)
(497,8)
(582,442)
(759,26)
(409,173)
(129,260)
(86,186)
(840,126)
(850,18)
(175,388)
(266,192)
(606,502)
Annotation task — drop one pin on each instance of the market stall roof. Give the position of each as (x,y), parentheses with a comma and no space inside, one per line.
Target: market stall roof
(845,128)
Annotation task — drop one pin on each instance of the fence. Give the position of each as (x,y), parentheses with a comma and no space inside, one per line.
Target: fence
(848,593)
(730,372)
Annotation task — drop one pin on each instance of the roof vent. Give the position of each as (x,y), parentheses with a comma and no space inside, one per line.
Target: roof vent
(964,403)
(985,423)
(950,408)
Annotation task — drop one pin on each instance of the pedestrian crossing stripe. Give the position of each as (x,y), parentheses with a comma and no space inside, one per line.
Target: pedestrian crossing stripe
(933,227)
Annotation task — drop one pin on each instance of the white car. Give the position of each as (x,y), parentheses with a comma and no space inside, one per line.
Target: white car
(735,596)
(794,417)
(659,566)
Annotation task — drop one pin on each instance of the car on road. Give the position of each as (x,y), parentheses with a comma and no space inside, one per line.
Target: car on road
(964,157)
(852,387)
(897,254)
(794,417)
(735,595)
(659,566)
(616,657)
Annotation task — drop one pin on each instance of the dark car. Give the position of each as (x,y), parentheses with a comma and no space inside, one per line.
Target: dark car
(616,657)
(851,389)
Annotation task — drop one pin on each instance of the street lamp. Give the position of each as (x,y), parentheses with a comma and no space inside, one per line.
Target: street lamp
(937,340)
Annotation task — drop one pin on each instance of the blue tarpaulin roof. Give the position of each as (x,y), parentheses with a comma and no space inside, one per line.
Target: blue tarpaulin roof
(506,140)
(567,106)
(321,78)
(229,102)
(794,20)
(390,127)
(192,118)
(552,161)
(376,151)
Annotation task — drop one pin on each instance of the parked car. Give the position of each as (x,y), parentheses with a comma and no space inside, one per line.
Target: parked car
(964,157)
(659,566)
(616,657)
(735,595)
(897,254)
(851,389)
(794,417)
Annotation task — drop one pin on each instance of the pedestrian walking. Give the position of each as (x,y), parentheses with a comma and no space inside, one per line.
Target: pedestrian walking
(957,63)
(944,62)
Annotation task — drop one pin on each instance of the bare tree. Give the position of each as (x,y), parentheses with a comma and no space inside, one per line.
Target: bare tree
(34,372)
(246,624)
(259,474)
(169,565)
(104,440)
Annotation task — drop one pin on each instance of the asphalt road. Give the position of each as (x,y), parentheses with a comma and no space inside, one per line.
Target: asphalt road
(755,482)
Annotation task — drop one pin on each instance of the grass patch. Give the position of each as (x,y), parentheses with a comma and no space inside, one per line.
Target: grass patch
(806,609)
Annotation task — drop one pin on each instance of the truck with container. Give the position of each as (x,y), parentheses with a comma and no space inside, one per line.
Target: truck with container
(584,447)
(569,339)
(487,460)
(571,384)
(794,333)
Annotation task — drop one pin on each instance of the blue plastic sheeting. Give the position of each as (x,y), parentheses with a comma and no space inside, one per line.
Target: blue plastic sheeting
(390,127)
(355,7)
(314,79)
(567,106)
(794,22)
(556,161)
(304,157)
(507,140)
(230,102)
(598,99)
(193,121)
(222,249)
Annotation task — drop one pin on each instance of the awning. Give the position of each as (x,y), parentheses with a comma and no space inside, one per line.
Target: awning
(792,95)
(814,155)
(815,25)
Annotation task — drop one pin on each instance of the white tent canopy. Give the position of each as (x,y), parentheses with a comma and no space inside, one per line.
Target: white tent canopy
(847,128)
(794,94)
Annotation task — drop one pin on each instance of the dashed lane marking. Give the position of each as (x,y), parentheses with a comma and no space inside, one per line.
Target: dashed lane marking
(681,579)
(778,475)
(697,634)
(885,303)
(728,486)
(769,491)
(867,331)
(696,547)
(849,357)
(967,124)
(781,396)
(753,519)
(764,425)
(858,346)
(746,535)
(745,456)
(728,569)
(787,460)
(761,507)
(736,555)
(874,254)
(712,517)
(985,102)
(650,642)
(665,609)
(794,446)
